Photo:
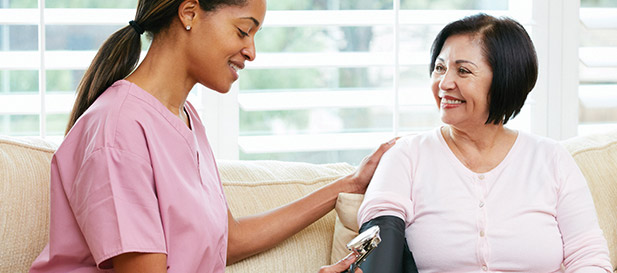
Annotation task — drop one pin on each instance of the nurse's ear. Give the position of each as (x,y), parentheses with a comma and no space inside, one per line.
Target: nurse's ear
(187,12)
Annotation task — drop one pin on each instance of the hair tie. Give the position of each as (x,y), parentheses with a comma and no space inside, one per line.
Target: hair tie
(136,27)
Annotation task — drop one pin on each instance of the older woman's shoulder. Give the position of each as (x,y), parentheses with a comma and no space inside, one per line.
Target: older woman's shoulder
(537,144)
(421,136)
(536,139)
(419,141)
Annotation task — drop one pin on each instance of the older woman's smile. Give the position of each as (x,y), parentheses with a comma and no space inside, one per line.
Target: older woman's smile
(448,102)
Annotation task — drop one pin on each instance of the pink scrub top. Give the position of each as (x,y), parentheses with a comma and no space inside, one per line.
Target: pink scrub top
(132,177)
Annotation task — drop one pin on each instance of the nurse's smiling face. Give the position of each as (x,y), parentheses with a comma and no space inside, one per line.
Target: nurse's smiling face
(461,81)
(222,40)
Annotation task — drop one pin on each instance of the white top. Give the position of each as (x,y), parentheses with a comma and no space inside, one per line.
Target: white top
(531,213)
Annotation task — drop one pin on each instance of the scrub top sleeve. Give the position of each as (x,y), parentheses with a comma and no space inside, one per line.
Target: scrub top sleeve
(115,203)
(585,248)
(389,193)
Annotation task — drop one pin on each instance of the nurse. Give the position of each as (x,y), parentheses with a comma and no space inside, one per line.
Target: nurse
(134,185)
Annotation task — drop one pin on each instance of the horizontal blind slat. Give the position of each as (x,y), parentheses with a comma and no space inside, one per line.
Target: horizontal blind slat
(312,142)
(599,18)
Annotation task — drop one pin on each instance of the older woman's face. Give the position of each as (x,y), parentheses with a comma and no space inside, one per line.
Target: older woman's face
(461,81)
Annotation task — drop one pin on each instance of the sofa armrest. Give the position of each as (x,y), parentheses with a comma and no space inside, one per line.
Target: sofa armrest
(24,200)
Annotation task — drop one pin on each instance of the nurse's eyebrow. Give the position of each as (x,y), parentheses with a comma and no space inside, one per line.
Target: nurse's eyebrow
(255,21)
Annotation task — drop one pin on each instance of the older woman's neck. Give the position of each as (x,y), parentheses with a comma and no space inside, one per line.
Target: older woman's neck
(481,137)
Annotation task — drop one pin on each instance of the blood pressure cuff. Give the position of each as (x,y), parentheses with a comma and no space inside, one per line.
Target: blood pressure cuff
(392,255)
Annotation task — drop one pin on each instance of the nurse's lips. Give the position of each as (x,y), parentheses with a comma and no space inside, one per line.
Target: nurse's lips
(235,67)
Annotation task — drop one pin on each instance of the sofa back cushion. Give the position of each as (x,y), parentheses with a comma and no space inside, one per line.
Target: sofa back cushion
(596,156)
(24,201)
(253,187)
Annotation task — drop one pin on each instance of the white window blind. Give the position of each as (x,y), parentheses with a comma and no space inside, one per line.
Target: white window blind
(598,67)
(332,79)
(345,78)
(45,46)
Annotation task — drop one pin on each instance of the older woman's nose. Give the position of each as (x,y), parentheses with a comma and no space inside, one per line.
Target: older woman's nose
(447,81)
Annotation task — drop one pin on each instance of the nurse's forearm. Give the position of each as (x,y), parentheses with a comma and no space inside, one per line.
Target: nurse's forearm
(253,234)
(134,262)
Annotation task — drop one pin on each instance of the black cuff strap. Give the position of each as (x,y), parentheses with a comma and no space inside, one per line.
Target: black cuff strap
(392,255)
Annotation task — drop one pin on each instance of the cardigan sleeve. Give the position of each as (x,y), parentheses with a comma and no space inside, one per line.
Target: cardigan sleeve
(389,193)
(585,248)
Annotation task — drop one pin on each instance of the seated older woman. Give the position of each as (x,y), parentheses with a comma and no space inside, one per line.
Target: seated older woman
(473,195)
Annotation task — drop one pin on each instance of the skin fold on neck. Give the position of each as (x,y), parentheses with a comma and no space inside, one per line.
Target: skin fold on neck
(482,148)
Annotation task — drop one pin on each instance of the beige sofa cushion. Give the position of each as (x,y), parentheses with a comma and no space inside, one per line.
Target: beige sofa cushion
(24,201)
(346,224)
(255,187)
(596,156)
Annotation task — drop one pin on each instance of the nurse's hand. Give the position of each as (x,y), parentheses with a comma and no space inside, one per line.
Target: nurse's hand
(341,266)
(362,176)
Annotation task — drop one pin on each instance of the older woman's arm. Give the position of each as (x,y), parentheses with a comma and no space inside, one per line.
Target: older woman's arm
(388,204)
(253,234)
(585,248)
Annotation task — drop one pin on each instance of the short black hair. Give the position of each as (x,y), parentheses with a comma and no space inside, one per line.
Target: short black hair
(509,51)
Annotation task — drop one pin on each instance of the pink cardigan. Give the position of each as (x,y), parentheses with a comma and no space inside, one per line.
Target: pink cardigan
(531,213)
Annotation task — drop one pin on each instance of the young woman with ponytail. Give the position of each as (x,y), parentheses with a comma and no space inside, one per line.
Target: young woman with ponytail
(134,185)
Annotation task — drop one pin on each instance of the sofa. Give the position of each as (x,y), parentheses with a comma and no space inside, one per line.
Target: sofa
(252,187)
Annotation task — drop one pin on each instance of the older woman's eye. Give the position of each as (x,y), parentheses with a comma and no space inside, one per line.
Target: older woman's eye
(463,71)
(440,68)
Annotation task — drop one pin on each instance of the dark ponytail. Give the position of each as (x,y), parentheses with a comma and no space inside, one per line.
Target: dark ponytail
(119,54)
(115,60)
